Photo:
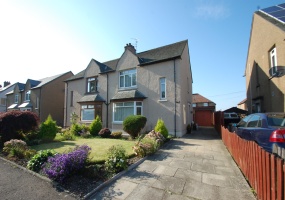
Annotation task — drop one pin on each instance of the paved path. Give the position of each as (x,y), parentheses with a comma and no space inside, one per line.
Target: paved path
(197,166)
(16,183)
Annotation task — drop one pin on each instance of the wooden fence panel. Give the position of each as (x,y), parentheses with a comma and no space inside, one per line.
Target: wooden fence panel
(264,171)
(273,177)
(280,179)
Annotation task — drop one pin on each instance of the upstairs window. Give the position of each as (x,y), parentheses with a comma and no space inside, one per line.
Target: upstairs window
(128,78)
(194,105)
(162,83)
(92,85)
(16,100)
(273,60)
(205,104)
(28,95)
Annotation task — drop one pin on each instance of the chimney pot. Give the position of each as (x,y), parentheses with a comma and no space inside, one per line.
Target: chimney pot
(131,48)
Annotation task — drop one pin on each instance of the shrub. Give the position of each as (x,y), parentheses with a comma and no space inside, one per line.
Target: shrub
(61,166)
(17,148)
(116,135)
(161,128)
(133,124)
(145,146)
(14,122)
(75,129)
(105,133)
(37,161)
(48,129)
(68,135)
(95,126)
(117,160)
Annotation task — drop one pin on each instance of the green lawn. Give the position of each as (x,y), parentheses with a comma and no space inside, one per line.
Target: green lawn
(99,147)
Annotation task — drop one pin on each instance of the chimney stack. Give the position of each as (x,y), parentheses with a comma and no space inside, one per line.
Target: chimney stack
(130,47)
(6,83)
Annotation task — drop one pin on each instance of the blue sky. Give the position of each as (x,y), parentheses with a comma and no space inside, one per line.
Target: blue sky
(42,38)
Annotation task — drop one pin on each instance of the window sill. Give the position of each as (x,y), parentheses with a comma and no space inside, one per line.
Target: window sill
(119,123)
(162,100)
(128,88)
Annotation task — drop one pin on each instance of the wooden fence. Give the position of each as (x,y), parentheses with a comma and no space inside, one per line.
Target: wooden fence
(264,171)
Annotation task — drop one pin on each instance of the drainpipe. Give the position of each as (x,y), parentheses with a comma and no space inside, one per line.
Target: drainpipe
(174,97)
(66,95)
(39,107)
(107,104)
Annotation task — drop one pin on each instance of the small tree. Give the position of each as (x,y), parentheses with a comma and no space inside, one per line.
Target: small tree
(133,124)
(95,126)
(48,129)
(161,128)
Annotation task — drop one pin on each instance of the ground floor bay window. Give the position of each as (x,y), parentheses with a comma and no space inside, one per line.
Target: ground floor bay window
(90,111)
(123,109)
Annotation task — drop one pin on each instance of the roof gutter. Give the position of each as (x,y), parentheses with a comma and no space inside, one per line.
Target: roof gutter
(174,72)
(158,61)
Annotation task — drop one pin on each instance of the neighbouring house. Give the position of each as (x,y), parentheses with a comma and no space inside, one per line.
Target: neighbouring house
(7,87)
(44,97)
(156,84)
(242,105)
(203,110)
(266,61)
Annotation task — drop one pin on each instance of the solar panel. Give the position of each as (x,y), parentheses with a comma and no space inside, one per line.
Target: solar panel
(271,9)
(277,12)
(282,5)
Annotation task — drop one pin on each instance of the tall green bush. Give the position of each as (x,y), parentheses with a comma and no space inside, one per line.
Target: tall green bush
(133,124)
(48,129)
(95,126)
(161,128)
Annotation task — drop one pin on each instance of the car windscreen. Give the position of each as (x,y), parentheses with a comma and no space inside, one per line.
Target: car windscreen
(276,119)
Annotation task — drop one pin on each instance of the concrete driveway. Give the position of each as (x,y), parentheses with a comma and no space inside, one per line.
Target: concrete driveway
(197,166)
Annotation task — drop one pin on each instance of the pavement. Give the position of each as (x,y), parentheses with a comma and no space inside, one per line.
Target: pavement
(196,166)
(18,183)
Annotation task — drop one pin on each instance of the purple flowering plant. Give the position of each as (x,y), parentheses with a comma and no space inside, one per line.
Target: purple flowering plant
(61,166)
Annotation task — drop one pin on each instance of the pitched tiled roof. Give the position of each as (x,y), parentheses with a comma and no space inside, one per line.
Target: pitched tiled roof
(152,56)
(197,98)
(129,94)
(46,80)
(160,54)
(93,97)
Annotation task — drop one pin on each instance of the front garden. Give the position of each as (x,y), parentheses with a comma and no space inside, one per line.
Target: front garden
(81,157)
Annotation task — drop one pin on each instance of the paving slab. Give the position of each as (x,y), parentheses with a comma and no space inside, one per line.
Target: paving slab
(196,166)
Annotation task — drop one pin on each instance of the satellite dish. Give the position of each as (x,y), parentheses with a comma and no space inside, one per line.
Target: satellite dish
(277,71)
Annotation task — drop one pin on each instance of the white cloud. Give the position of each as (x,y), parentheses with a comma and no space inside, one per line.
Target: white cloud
(211,11)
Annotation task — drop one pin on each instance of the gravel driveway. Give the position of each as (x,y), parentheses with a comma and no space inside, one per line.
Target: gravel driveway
(16,183)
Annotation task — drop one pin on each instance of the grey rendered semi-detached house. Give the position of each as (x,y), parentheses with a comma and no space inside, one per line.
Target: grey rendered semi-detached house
(156,84)
(44,96)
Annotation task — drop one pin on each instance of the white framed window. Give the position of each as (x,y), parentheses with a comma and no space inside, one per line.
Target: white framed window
(37,103)
(3,101)
(162,92)
(28,95)
(16,98)
(128,78)
(194,105)
(205,104)
(87,112)
(92,85)
(123,109)
(273,60)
